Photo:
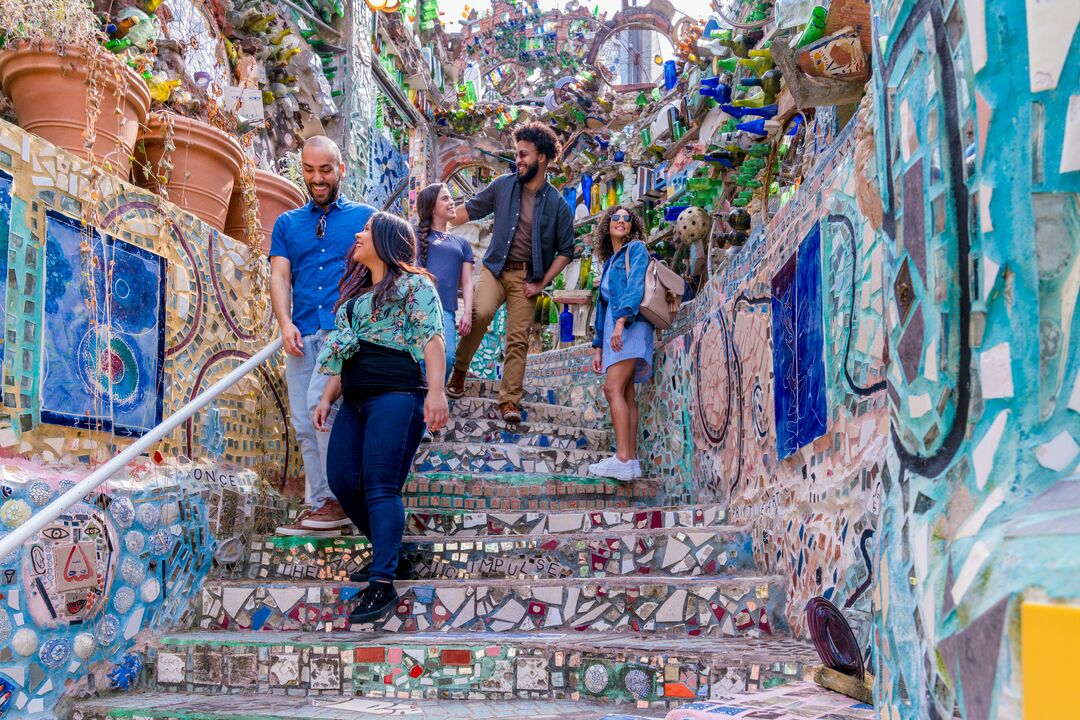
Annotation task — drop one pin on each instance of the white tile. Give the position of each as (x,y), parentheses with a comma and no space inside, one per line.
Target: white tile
(919,405)
(995,369)
(975,20)
(983,457)
(673,608)
(975,521)
(1059,453)
(975,560)
(234,598)
(1070,146)
(1051,25)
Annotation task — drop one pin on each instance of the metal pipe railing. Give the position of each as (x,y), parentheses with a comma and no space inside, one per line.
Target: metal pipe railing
(60,505)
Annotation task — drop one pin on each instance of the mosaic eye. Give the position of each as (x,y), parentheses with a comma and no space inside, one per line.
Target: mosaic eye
(55,533)
(92,531)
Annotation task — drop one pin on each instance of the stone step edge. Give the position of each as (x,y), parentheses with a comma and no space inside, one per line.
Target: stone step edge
(288,542)
(506,447)
(520,478)
(704,647)
(686,583)
(284,707)
(534,427)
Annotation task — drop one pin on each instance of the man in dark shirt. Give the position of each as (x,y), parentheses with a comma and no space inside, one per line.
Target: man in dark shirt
(307,259)
(532,241)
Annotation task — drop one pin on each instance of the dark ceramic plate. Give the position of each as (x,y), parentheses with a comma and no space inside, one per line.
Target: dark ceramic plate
(833,639)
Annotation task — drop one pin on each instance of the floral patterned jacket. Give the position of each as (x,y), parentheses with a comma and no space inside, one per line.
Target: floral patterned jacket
(407,321)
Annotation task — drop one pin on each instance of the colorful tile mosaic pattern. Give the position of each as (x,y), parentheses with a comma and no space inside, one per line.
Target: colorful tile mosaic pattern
(743,606)
(649,672)
(666,552)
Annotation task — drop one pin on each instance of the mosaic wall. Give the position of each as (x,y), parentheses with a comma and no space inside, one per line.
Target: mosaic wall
(81,596)
(978,150)
(108,328)
(112,326)
(769,391)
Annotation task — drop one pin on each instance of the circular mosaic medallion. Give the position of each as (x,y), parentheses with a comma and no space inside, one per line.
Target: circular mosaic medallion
(107,629)
(135,541)
(159,542)
(132,571)
(122,511)
(596,679)
(637,683)
(25,642)
(14,513)
(84,645)
(40,493)
(149,516)
(54,653)
(150,590)
(123,600)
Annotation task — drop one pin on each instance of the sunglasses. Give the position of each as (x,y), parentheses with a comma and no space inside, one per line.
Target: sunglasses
(320,227)
(625,217)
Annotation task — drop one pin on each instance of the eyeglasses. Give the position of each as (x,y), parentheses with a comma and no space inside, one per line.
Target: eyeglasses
(320,227)
(625,217)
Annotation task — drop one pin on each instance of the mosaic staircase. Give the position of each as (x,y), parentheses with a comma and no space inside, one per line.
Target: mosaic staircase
(543,593)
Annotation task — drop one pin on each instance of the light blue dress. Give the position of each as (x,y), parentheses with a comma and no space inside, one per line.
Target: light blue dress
(637,341)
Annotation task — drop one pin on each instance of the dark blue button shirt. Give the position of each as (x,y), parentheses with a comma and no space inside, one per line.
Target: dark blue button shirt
(317,263)
(552,231)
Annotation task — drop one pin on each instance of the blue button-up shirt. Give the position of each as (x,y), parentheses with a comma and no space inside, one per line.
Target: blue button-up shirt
(317,263)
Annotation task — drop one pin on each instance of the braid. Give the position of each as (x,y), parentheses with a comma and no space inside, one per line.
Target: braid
(423,232)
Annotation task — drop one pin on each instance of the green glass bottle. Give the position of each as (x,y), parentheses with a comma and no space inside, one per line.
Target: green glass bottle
(815,27)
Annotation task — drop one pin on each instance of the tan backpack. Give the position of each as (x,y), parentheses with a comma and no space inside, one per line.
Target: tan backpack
(664,290)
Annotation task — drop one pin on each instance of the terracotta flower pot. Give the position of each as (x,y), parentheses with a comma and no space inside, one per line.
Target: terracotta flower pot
(205,166)
(48,91)
(276,195)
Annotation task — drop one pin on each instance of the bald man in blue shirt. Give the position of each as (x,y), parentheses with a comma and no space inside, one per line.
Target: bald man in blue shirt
(307,259)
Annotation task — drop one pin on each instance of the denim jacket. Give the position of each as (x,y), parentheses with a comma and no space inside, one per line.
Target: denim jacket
(624,292)
(553,224)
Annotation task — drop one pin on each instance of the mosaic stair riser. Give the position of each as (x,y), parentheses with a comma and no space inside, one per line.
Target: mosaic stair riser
(486,389)
(667,553)
(497,432)
(523,491)
(196,706)
(718,606)
(564,415)
(441,668)
(478,457)
(475,524)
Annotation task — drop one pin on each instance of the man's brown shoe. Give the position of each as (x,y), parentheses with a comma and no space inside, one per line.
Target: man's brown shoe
(456,387)
(510,412)
(300,529)
(328,517)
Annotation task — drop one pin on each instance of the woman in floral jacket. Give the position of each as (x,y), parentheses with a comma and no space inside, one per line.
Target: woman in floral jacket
(389,319)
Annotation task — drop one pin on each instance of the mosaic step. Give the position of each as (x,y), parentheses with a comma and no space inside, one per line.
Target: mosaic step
(477,388)
(194,706)
(488,408)
(592,667)
(473,430)
(525,491)
(742,606)
(669,552)
(504,457)
(475,524)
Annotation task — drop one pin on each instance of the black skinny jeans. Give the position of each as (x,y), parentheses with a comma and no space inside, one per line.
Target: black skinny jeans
(372,446)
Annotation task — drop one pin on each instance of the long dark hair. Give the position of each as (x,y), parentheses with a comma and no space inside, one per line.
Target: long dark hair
(604,248)
(425,209)
(395,245)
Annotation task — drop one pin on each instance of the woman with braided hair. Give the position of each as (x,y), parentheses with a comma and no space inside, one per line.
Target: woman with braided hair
(449,259)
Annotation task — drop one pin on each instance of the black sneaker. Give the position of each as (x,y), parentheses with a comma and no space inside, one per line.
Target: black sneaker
(377,598)
(404,571)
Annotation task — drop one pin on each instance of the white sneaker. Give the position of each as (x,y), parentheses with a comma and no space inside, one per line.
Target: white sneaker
(600,468)
(616,469)
(637,469)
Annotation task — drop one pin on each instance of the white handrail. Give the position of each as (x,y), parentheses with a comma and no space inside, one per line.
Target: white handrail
(57,507)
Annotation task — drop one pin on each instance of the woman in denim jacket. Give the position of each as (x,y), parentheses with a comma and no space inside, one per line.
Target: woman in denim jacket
(623,344)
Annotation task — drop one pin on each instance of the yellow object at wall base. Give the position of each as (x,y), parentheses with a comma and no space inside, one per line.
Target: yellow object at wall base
(1050,656)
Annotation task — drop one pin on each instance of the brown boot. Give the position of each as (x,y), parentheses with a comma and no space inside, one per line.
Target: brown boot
(456,387)
(510,412)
